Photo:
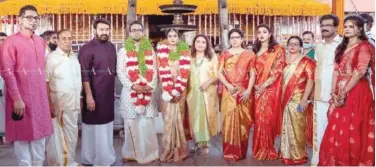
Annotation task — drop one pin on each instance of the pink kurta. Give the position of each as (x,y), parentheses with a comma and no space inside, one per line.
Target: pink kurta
(22,63)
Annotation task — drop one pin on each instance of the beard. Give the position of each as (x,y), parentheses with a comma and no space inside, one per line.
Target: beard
(102,38)
(52,46)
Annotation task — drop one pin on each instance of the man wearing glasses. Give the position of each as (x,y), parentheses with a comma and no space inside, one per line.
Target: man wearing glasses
(136,69)
(28,116)
(325,53)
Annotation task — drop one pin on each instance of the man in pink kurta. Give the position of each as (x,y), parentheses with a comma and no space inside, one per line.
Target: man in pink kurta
(22,61)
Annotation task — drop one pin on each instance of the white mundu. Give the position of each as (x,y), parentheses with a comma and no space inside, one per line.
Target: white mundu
(64,80)
(324,56)
(140,138)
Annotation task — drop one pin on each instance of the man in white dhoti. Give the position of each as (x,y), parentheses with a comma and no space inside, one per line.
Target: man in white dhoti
(136,69)
(64,87)
(98,71)
(324,56)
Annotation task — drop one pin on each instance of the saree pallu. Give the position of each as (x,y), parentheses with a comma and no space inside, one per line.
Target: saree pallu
(174,141)
(267,106)
(349,139)
(309,127)
(236,114)
(293,139)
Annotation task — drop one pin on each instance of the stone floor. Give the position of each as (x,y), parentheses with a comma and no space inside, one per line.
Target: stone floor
(7,157)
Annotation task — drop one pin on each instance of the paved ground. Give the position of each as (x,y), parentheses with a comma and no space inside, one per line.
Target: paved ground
(214,158)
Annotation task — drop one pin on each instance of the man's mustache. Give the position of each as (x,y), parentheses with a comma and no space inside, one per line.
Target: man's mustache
(324,30)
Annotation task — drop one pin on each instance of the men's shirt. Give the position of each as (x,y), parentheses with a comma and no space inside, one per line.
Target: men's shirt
(371,38)
(64,76)
(324,56)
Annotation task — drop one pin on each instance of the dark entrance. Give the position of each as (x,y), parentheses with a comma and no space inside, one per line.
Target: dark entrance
(154,32)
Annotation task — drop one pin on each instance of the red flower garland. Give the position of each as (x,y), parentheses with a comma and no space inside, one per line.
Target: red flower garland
(140,100)
(170,87)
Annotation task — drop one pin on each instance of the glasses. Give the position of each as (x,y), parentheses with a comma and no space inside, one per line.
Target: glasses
(137,30)
(31,18)
(294,44)
(326,25)
(235,37)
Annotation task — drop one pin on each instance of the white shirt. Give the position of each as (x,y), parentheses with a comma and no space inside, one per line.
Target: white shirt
(64,77)
(371,39)
(324,56)
(47,51)
(127,108)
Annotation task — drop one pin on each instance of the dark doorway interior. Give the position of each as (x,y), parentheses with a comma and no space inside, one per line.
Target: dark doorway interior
(154,32)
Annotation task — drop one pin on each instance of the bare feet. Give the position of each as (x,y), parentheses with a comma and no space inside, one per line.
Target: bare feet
(205,151)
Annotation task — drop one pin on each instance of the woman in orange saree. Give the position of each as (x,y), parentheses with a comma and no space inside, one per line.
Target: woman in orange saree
(269,66)
(297,85)
(350,134)
(236,74)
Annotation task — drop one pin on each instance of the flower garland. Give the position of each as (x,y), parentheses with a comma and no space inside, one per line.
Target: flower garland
(170,87)
(139,67)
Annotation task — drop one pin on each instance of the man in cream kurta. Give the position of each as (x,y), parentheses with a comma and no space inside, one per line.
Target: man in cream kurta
(140,143)
(324,56)
(64,85)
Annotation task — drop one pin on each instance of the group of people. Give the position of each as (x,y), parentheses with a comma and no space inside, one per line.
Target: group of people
(318,96)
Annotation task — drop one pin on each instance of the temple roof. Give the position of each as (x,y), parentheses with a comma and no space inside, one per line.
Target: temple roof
(151,7)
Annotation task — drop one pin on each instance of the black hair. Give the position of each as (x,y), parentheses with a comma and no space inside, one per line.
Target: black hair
(368,18)
(295,37)
(309,32)
(240,32)
(136,22)
(25,8)
(272,41)
(174,30)
(47,34)
(359,22)
(330,17)
(100,20)
(3,34)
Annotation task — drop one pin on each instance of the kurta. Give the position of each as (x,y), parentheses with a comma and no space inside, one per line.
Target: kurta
(267,105)
(22,63)
(293,137)
(64,78)
(98,66)
(203,106)
(127,108)
(349,139)
(324,56)
(236,114)
(140,140)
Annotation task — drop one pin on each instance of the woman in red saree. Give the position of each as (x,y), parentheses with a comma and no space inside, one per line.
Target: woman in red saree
(349,137)
(298,76)
(237,75)
(269,65)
